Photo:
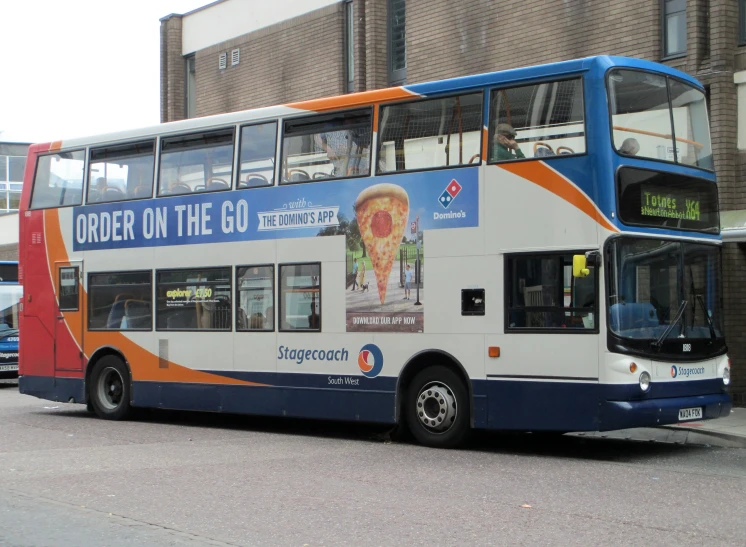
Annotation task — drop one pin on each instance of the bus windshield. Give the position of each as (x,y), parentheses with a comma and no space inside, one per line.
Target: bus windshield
(654,283)
(660,118)
(10,298)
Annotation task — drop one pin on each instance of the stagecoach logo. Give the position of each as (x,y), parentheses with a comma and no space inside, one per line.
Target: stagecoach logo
(449,194)
(686,372)
(370,360)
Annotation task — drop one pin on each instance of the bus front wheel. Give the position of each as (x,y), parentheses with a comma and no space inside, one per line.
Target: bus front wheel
(438,408)
(110,388)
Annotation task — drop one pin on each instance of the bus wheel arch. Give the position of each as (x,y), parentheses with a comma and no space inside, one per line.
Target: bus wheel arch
(109,361)
(440,369)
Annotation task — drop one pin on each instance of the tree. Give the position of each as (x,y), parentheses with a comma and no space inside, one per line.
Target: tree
(350,230)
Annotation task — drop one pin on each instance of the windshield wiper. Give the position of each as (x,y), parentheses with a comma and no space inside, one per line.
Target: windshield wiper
(713,335)
(659,342)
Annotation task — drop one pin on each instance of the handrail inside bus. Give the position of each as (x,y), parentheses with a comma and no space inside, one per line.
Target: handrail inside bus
(662,135)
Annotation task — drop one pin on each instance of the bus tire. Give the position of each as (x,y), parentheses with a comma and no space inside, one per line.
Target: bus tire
(110,388)
(437,408)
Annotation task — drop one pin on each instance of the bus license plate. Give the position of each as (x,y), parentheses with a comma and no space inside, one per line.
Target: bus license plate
(8,367)
(690,414)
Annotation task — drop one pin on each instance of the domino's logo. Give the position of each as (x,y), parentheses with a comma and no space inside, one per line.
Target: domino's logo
(449,194)
(370,360)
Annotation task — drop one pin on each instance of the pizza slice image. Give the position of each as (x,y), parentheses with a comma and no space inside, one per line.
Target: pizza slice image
(382,211)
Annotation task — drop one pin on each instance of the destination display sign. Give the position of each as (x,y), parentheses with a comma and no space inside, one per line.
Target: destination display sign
(667,200)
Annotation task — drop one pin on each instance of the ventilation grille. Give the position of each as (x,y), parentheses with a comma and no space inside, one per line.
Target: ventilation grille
(222,61)
(235,54)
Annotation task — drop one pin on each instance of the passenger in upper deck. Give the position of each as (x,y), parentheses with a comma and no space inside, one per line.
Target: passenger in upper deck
(630,147)
(347,149)
(504,146)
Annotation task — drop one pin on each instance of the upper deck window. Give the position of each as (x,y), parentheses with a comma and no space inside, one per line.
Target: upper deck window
(430,133)
(59,180)
(257,158)
(198,162)
(327,146)
(121,172)
(538,120)
(660,118)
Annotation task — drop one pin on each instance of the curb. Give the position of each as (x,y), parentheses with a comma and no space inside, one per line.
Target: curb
(712,438)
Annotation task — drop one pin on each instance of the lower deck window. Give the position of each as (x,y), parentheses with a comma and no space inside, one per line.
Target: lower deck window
(120,301)
(300,297)
(255,310)
(541,293)
(194,299)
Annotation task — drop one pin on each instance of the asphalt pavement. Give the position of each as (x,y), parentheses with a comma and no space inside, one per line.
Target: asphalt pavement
(172,478)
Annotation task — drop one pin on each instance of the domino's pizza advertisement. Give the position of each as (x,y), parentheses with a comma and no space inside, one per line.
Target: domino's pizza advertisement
(287,211)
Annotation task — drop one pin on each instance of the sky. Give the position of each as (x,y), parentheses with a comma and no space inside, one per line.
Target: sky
(70,68)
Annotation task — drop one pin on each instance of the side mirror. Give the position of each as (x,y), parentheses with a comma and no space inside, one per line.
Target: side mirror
(579,266)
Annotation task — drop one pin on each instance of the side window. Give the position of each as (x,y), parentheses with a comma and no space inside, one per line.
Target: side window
(541,293)
(536,121)
(120,301)
(257,158)
(193,299)
(68,288)
(430,133)
(300,297)
(199,162)
(59,180)
(327,146)
(255,309)
(120,172)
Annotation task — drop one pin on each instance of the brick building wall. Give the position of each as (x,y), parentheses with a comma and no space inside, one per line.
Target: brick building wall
(304,58)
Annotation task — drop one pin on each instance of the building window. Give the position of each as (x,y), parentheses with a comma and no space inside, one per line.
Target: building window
(742,22)
(542,294)
(194,299)
(255,309)
(257,156)
(300,297)
(11,181)
(120,301)
(198,162)
(397,35)
(190,101)
(121,172)
(430,133)
(538,120)
(59,180)
(674,28)
(350,46)
(327,146)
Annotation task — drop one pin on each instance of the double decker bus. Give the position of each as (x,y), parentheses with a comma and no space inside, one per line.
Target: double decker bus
(10,298)
(533,249)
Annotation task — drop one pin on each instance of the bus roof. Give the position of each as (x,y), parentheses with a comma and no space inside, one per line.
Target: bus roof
(597,64)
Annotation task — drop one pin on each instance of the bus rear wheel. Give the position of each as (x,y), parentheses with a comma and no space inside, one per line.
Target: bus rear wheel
(438,408)
(110,388)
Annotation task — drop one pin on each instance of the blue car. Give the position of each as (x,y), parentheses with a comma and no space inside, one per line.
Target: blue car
(10,298)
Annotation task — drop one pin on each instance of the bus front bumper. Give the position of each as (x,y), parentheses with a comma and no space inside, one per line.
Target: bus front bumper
(665,411)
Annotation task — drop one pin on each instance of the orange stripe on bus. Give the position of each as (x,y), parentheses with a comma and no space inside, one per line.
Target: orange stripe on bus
(143,364)
(355,99)
(55,145)
(541,175)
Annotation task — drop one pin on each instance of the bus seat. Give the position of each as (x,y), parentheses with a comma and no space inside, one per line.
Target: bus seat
(217,185)
(179,188)
(116,314)
(137,314)
(633,315)
(112,193)
(142,192)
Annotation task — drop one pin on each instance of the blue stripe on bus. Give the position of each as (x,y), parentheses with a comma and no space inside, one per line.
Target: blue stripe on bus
(497,404)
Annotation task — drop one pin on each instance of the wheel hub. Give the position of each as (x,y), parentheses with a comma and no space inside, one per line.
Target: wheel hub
(436,407)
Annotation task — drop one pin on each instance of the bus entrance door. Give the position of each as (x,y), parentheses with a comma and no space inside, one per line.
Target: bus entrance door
(68,324)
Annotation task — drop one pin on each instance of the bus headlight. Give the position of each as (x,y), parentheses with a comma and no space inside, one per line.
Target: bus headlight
(645,381)
(726,376)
